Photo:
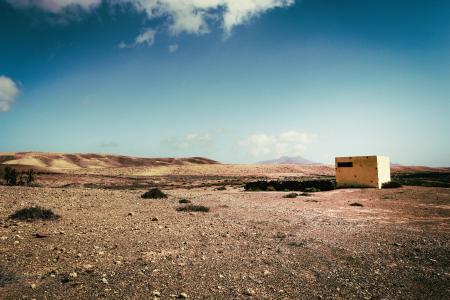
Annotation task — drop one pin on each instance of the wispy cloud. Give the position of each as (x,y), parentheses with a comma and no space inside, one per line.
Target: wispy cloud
(173,48)
(194,141)
(146,37)
(287,143)
(8,93)
(181,16)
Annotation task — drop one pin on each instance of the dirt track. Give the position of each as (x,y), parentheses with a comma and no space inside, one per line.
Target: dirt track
(113,244)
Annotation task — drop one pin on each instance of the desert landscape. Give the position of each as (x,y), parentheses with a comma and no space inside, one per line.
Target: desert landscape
(224,149)
(213,239)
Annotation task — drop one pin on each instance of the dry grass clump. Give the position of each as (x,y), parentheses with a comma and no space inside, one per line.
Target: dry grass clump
(391,185)
(290,195)
(193,208)
(34,213)
(154,193)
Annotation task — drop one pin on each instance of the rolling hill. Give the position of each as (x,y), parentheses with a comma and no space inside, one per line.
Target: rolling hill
(65,161)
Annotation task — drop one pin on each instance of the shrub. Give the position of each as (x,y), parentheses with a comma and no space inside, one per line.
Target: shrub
(221,188)
(30,177)
(184,201)
(192,207)
(290,195)
(308,185)
(154,193)
(391,185)
(356,204)
(34,213)
(305,194)
(11,176)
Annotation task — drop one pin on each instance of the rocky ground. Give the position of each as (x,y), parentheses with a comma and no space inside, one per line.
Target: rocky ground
(112,244)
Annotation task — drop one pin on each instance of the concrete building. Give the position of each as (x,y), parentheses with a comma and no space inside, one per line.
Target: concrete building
(362,171)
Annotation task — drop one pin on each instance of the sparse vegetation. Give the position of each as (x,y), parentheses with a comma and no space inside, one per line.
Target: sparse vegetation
(184,201)
(356,204)
(221,188)
(430,179)
(10,175)
(30,177)
(14,177)
(290,195)
(154,193)
(193,208)
(306,185)
(34,213)
(391,185)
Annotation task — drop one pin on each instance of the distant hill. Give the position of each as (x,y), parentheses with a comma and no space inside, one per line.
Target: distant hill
(65,161)
(291,160)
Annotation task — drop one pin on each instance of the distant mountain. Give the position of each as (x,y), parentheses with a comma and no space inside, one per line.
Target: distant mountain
(291,160)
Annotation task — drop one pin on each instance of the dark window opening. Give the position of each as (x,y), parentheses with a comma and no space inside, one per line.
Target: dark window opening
(345,164)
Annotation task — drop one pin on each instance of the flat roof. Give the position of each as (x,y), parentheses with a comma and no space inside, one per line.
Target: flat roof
(359,156)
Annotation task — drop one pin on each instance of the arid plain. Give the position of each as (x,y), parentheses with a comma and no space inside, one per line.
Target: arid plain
(109,243)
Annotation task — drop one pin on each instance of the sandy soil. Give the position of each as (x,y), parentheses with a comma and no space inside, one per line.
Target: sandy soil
(111,244)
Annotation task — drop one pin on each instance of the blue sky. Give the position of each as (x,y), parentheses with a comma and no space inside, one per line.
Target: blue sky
(236,81)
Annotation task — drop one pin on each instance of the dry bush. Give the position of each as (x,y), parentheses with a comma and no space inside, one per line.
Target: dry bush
(192,207)
(154,193)
(34,213)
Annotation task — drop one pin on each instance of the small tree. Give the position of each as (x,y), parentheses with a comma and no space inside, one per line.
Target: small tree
(10,176)
(30,177)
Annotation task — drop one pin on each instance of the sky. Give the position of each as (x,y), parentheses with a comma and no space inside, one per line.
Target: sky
(233,80)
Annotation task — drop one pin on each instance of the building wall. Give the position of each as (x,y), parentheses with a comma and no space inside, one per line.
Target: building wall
(384,170)
(362,171)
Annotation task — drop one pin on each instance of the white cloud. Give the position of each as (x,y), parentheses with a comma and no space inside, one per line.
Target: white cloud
(189,142)
(122,45)
(288,143)
(238,12)
(173,48)
(146,37)
(8,93)
(296,137)
(188,16)
(191,16)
